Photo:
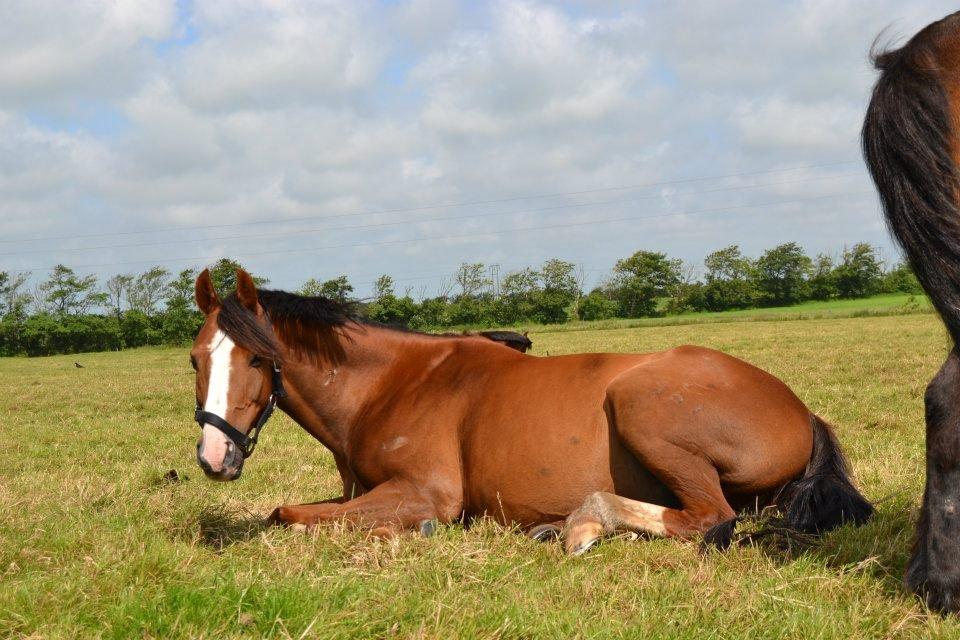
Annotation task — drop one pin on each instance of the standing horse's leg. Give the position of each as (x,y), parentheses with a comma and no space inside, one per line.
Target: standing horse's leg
(933,570)
(391,506)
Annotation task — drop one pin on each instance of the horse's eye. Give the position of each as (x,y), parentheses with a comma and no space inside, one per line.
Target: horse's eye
(255,361)
(193,363)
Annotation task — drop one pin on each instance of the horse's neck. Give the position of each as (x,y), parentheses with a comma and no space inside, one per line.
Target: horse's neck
(327,392)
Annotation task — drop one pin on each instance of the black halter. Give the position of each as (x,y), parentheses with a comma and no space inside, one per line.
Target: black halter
(245,442)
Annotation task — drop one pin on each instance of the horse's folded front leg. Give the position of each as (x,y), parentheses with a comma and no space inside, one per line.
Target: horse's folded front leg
(392,506)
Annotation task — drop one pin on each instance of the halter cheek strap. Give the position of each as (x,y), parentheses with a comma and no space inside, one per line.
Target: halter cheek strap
(245,442)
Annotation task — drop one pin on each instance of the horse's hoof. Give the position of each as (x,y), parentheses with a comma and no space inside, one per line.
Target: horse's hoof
(942,596)
(719,536)
(544,533)
(274,519)
(582,537)
(383,533)
(582,547)
(428,527)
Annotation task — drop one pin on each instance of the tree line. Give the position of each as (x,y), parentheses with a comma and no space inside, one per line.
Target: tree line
(69,313)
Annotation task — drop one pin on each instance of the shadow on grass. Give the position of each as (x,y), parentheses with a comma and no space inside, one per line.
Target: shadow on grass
(880,548)
(221,527)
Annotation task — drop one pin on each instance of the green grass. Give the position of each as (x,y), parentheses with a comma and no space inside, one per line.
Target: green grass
(96,544)
(883,305)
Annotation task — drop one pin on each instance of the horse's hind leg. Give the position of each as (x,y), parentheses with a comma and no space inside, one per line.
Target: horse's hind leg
(694,481)
(934,571)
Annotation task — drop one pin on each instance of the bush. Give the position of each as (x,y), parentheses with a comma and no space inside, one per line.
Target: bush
(392,310)
(900,279)
(597,306)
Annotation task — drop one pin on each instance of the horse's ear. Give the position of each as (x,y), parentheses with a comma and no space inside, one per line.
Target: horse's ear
(246,290)
(205,293)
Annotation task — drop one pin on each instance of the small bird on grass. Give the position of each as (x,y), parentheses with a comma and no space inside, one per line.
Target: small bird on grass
(78,365)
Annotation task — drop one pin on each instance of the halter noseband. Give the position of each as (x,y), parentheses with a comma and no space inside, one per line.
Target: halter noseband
(245,442)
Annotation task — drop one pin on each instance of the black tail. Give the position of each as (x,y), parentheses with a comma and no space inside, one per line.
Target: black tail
(907,143)
(824,497)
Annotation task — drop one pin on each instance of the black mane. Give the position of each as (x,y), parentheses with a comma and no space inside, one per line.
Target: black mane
(304,323)
(308,325)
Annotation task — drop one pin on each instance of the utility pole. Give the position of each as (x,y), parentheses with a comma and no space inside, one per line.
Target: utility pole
(495,280)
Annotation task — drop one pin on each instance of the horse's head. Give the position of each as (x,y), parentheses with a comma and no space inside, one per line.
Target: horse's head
(236,387)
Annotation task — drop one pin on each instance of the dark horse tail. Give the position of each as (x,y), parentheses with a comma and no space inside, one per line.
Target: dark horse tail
(908,144)
(824,497)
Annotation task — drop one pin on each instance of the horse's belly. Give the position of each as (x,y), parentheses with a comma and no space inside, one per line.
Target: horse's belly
(541,473)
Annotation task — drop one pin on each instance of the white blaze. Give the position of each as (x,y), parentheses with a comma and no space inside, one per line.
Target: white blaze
(214,441)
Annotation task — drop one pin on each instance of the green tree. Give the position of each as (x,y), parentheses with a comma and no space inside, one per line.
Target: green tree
(382,287)
(389,309)
(66,293)
(471,279)
(180,291)
(597,306)
(431,313)
(900,279)
(338,289)
(518,296)
(560,290)
(781,275)
(823,282)
(858,274)
(13,312)
(13,300)
(180,320)
(224,276)
(684,295)
(638,280)
(118,288)
(147,290)
(729,280)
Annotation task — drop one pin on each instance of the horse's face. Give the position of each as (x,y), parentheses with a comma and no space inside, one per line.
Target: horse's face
(231,382)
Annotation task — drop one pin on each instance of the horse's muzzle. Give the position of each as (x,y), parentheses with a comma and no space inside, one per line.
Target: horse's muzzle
(229,469)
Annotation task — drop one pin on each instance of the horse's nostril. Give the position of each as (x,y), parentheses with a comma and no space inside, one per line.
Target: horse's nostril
(204,464)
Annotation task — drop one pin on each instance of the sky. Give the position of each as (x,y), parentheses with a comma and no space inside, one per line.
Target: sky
(313,139)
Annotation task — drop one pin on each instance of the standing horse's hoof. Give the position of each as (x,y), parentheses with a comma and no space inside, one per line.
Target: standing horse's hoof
(428,527)
(942,596)
(545,533)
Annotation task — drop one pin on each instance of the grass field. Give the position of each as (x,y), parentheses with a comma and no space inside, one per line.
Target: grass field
(95,543)
(891,304)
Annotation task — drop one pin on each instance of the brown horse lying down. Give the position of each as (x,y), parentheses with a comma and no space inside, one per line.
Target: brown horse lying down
(426,428)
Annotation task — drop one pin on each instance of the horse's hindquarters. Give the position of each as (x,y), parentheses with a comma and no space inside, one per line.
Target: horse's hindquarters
(748,425)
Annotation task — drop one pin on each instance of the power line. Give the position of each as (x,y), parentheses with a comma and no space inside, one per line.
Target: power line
(280,234)
(474,235)
(433,206)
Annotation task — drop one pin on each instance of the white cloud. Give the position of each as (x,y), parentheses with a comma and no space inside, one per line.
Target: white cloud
(277,54)
(54,52)
(272,109)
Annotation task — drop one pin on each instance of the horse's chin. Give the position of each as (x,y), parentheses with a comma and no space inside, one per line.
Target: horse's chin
(228,474)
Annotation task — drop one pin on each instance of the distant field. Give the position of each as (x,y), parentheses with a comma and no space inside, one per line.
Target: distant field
(96,544)
(883,305)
